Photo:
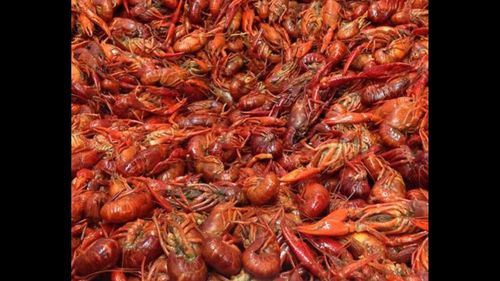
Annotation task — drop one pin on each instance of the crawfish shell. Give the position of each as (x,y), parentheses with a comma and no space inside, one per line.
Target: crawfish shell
(102,254)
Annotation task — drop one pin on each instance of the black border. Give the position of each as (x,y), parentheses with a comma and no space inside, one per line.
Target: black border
(40,145)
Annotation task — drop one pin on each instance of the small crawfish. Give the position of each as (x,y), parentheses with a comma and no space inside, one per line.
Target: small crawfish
(261,258)
(398,217)
(127,206)
(139,241)
(396,51)
(277,9)
(193,41)
(279,77)
(389,185)
(100,255)
(311,21)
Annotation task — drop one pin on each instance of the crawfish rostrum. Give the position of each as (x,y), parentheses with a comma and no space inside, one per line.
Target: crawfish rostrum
(249,140)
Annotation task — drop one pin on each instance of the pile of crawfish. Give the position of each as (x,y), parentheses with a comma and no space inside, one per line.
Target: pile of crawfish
(249,140)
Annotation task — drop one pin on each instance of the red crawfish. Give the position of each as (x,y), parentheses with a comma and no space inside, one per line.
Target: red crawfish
(389,184)
(413,165)
(380,11)
(100,255)
(311,21)
(307,259)
(331,155)
(181,242)
(398,217)
(193,41)
(127,206)
(261,258)
(277,9)
(139,241)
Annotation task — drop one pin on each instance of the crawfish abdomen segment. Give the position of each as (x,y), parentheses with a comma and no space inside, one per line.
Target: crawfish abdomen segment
(102,254)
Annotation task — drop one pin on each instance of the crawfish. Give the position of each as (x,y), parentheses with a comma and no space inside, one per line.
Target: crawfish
(363,243)
(380,11)
(122,28)
(304,112)
(311,21)
(420,49)
(84,159)
(221,219)
(146,10)
(79,142)
(242,84)
(355,9)
(312,61)
(291,20)
(267,141)
(330,12)
(261,258)
(172,76)
(394,52)
(203,197)
(396,116)
(79,86)
(262,121)
(145,47)
(233,64)
(260,190)
(407,15)
(81,179)
(307,259)
(420,258)
(216,47)
(259,100)
(139,241)
(193,41)
(351,29)
(166,133)
(196,8)
(389,185)
(181,242)
(379,36)
(273,35)
(302,251)
(260,49)
(392,89)
(222,143)
(314,200)
(277,8)
(87,205)
(194,120)
(280,76)
(397,217)
(157,271)
(197,67)
(206,105)
(216,6)
(354,181)
(88,17)
(100,255)
(413,166)
(127,206)
(212,169)
(143,161)
(221,255)
(331,155)
(405,116)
